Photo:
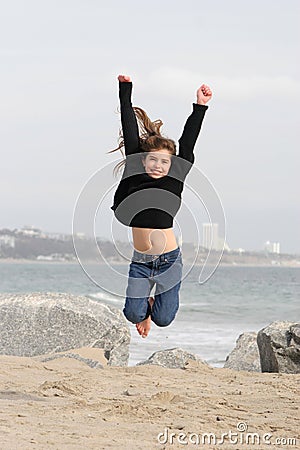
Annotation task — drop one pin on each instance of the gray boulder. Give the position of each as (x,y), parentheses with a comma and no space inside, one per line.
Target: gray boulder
(245,356)
(42,323)
(173,358)
(279,347)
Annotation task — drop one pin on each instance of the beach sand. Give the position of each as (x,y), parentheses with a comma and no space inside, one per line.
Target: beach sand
(65,404)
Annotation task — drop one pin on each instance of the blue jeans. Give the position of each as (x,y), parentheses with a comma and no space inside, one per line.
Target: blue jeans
(145,271)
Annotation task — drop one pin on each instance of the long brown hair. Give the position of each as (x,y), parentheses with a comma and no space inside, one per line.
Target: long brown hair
(150,137)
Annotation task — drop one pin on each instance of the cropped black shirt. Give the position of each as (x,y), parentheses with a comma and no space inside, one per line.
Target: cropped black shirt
(140,200)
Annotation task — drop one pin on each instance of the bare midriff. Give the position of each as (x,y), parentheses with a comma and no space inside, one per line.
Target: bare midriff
(154,241)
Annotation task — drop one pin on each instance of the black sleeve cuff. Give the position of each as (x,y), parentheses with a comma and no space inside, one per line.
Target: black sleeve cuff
(125,90)
(197,107)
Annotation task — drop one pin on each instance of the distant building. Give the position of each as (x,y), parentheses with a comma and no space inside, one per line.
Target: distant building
(57,236)
(80,235)
(272,247)
(179,241)
(210,236)
(7,241)
(30,231)
(239,250)
(211,239)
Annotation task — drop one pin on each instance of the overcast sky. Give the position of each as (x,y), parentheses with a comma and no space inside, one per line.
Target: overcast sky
(59,99)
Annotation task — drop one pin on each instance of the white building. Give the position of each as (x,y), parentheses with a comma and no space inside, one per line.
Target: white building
(211,239)
(210,236)
(272,247)
(7,241)
(30,230)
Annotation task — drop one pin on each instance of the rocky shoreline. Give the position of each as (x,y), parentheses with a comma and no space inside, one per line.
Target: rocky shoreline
(52,323)
(72,388)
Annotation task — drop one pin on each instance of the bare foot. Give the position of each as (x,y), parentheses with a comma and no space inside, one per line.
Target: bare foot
(144,326)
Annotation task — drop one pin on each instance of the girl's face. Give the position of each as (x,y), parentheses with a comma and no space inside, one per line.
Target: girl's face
(157,163)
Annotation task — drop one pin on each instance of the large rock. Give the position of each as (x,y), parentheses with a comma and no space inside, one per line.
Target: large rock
(279,347)
(173,358)
(245,355)
(40,323)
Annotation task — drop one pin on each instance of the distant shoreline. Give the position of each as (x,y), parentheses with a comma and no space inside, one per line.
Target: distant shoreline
(284,264)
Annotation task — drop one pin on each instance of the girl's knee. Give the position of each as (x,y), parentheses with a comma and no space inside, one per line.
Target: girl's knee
(132,316)
(134,313)
(162,321)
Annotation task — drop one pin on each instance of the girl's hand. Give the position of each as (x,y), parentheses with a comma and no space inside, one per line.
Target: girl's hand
(124,79)
(204,94)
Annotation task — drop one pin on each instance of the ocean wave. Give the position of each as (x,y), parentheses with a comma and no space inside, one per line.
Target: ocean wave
(103,296)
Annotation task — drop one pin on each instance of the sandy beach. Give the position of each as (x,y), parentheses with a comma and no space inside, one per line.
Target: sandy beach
(65,404)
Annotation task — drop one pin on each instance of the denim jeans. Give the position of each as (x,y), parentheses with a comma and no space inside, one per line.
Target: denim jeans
(145,271)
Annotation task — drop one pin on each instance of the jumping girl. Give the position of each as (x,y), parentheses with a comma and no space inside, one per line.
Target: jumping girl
(147,199)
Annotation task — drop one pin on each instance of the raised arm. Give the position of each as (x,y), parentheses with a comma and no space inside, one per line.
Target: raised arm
(193,124)
(128,118)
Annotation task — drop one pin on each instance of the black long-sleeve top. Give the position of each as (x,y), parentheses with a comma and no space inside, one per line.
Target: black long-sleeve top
(140,200)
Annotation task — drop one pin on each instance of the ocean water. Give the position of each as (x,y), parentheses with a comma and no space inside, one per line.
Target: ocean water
(211,316)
